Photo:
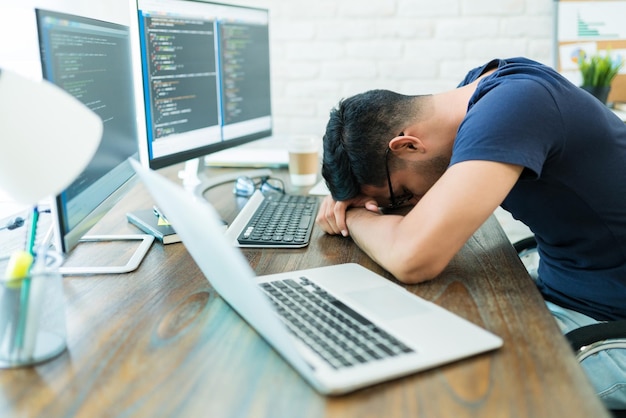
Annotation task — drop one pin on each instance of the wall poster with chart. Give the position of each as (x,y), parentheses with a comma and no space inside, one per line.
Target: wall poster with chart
(591,26)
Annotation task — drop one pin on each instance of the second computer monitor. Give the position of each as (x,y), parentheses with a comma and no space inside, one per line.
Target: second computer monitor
(90,59)
(205,70)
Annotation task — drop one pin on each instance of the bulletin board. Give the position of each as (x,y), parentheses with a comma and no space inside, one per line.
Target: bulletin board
(593,26)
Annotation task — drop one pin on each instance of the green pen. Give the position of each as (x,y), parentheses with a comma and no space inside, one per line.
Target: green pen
(24,295)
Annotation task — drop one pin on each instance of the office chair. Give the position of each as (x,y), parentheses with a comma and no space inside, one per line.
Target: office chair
(587,340)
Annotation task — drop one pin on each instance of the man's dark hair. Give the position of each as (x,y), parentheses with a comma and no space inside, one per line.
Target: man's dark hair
(357,135)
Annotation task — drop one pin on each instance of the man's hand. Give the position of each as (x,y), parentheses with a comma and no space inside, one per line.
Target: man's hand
(332,214)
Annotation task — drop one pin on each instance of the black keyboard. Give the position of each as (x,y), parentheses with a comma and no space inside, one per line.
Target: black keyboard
(281,220)
(341,336)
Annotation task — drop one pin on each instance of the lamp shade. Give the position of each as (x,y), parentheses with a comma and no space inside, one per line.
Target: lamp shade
(47,138)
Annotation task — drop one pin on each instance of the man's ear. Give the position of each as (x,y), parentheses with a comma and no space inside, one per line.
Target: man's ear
(407,144)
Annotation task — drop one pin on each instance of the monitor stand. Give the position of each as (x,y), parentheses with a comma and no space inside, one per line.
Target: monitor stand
(145,241)
(197,182)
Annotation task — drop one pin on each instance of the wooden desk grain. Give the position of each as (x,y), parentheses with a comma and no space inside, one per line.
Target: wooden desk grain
(159,342)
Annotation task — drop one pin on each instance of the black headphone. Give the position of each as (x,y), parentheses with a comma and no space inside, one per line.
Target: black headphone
(13,223)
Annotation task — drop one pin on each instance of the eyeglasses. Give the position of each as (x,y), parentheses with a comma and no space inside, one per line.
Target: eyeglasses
(245,186)
(400,200)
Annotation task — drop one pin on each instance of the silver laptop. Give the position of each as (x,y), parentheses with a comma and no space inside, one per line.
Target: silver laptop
(380,330)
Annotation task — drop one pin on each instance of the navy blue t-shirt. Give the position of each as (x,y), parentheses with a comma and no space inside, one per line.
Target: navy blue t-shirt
(572,191)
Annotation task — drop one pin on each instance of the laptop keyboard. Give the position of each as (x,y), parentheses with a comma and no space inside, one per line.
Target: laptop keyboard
(281,220)
(336,332)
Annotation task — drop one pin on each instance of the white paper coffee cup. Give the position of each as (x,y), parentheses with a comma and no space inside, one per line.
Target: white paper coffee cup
(303,159)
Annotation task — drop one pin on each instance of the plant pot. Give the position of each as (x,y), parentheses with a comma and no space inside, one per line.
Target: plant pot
(599,92)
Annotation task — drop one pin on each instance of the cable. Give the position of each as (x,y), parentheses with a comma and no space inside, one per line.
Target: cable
(13,223)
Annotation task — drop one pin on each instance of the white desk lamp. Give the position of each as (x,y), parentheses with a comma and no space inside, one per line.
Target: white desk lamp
(48,138)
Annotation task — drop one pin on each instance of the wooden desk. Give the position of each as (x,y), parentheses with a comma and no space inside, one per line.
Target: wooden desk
(159,342)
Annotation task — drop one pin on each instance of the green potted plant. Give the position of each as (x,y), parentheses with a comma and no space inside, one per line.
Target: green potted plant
(598,71)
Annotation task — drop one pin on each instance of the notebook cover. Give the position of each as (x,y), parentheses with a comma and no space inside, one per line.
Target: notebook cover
(148,222)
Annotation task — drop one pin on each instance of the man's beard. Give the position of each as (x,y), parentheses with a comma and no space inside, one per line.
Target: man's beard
(432,169)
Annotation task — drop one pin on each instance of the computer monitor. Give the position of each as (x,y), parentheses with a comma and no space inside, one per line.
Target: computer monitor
(205,71)
(91,60)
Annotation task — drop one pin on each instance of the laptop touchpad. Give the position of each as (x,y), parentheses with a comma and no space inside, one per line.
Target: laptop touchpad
(388,302)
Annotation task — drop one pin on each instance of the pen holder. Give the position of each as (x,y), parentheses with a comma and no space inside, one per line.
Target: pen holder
(32,315)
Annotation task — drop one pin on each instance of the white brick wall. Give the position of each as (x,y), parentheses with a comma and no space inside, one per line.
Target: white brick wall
(325,50)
